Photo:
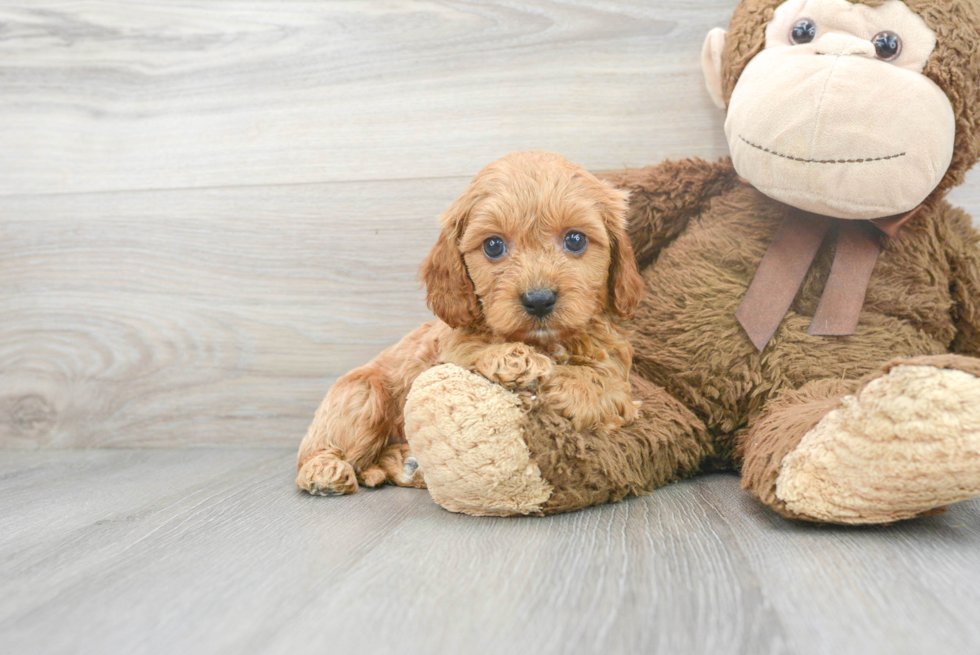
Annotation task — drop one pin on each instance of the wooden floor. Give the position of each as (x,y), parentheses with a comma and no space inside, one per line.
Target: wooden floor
(214,551)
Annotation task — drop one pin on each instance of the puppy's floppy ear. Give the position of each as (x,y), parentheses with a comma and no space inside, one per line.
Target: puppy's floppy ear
(448,288)
(626,287)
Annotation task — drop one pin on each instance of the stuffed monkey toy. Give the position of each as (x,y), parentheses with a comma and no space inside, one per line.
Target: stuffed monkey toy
(812,314)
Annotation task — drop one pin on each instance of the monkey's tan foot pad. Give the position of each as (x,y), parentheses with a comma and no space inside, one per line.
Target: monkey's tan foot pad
(466,433)
(907,443)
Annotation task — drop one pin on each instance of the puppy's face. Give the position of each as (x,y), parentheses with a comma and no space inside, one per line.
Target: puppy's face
(538,258)
(533,249)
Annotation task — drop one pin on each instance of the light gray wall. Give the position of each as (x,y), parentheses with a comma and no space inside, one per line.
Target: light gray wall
(208,213)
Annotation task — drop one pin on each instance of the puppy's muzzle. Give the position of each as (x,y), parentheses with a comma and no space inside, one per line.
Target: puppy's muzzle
(538,302)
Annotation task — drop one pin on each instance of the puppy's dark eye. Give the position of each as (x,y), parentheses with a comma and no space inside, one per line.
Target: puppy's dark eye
(575,242)
(888,45)
(803,31)
(494,248)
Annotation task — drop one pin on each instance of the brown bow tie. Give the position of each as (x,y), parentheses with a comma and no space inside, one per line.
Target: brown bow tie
(786,262)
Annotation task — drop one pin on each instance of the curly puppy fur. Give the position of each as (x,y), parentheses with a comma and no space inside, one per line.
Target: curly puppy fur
(577,357)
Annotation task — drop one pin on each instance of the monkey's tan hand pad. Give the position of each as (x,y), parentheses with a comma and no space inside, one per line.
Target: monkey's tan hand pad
(465,432)
(906,443)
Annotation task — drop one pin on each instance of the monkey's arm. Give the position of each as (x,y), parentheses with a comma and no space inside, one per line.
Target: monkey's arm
(963,249)
(663,198)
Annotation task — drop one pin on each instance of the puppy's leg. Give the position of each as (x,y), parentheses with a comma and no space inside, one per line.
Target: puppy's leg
(348,433)
(395,466)
(361,411)
(589,398)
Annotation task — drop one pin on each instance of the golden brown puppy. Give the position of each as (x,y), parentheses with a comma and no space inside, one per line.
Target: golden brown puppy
(530,275)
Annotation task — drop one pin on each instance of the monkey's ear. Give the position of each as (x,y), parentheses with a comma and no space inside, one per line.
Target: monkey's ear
(448,288)
(714,44)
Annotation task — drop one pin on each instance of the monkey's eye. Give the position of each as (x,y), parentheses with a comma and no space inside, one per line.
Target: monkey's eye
(494,247)
(888,45)
(803,31)
(576,242)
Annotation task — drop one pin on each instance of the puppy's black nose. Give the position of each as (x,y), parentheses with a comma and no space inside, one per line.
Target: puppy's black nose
(538,302)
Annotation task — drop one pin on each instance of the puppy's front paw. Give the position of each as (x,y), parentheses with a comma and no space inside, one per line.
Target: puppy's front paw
(584,401)
(624,407)
(515,366)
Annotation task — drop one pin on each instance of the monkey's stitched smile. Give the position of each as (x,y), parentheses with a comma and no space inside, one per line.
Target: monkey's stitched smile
(819,161)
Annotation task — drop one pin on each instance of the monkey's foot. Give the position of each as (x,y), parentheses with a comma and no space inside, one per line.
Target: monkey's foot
(908,442)
(465,432)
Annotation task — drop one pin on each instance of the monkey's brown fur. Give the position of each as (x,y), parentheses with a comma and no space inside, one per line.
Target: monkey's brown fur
(709,397)
(699,236)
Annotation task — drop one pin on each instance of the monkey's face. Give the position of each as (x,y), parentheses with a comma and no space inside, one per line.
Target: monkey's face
(834,115)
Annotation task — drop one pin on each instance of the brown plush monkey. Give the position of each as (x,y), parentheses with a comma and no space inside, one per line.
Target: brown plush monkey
(813,306)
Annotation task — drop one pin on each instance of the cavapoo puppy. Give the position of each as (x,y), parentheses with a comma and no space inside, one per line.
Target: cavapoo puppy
(530,275)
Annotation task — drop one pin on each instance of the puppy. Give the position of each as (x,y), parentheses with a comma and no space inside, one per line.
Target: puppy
(530,275)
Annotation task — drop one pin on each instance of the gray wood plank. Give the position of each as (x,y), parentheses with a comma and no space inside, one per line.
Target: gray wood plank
(908,586)
(967,196)
(213,550)
(201,317)
(102,95)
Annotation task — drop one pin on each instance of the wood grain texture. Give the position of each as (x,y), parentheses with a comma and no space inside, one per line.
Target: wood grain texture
(968,195)
(157,94)
(214,550)
(208,212)
(201,317)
